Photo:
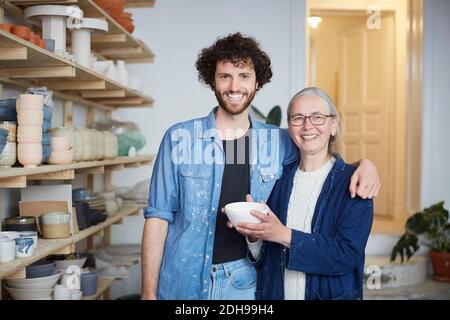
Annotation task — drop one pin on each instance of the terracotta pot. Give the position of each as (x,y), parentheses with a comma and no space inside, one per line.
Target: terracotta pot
(126,24)
(37,39)
(6,27)
(32,37)
(441,265)
(42,43)
(22,32)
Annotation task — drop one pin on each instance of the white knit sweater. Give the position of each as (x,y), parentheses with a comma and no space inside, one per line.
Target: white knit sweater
(305,192)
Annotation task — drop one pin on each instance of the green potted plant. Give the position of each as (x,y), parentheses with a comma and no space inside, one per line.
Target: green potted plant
(434,223)
(274,116)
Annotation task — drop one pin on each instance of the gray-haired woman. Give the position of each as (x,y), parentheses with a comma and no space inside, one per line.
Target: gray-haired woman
(314,244)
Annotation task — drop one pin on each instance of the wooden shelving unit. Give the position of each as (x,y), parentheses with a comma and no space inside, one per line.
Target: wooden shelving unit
(17,177)
(117,44)
(23,65)
(55,246)
(29,65)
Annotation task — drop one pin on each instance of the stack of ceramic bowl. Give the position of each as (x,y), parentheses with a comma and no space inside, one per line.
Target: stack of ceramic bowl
(30,119)
(79,144)
(8,155)
(62,151)
(38,288)
(46,135)
(83,195)
(55,225)
(110,206)
(41,268)
(21,223)
(100,149)
(111,147)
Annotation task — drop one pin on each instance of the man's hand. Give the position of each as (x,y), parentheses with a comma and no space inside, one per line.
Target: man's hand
(365,181)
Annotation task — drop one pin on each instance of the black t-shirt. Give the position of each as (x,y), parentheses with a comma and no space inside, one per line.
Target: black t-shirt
(230,245)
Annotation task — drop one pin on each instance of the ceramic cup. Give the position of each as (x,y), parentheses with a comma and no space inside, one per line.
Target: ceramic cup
(76,294)
(61,292)
(88,283)
(7,250)
(30,234)
(24,247)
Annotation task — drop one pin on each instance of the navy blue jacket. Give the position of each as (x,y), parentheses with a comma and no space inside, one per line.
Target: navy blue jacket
(332,256)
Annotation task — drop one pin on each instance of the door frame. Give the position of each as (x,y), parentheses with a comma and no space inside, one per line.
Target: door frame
(408,101)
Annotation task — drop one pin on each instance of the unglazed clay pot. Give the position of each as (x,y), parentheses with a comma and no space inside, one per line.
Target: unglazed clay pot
(33,118)
(6,27)
(29,154)
(21,31)
(62,157)
(60,144)
(29,134)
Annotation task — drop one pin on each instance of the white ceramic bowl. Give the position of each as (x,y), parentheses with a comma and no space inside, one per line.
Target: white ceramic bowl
(10,234)
(240,211)
(55,218)
(64,264)
(34,283)
(20,294)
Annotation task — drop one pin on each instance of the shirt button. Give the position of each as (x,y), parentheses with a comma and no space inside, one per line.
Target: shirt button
(214,269)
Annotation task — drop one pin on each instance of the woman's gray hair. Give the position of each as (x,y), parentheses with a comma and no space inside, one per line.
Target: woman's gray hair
(335,141)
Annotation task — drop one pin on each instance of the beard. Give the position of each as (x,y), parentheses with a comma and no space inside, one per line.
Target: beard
(228,106)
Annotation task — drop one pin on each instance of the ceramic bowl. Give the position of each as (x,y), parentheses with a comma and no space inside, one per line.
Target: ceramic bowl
(64,264)
(8,110)
(47,112)
(240,211)
(20,220)
(80,194)
(5,27)
(39,269)
(39,294)
(83,215)
(56,231)
(21,31)
(30,234)
(55,218)
(12,235)
(38,283)
(28,101)
(29,154)
(60,143)
(25,133)
(7,250)
(62,157)
(30,118)
(64,132)
(8,156)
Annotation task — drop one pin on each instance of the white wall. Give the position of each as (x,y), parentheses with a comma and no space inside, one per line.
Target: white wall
(176,31)
(436,104)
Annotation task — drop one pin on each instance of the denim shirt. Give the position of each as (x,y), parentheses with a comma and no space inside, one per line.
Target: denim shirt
(185,190)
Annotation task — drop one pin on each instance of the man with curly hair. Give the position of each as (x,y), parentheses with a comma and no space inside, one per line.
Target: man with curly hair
(188,252)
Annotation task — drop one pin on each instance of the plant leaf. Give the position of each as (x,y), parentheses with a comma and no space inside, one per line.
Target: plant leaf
(274,116)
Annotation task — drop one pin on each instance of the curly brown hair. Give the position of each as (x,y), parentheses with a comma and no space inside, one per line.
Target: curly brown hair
(234,48)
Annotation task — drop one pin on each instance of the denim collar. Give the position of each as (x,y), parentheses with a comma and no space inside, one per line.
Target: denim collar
(209,128)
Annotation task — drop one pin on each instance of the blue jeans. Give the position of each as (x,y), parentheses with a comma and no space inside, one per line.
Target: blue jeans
(234,280)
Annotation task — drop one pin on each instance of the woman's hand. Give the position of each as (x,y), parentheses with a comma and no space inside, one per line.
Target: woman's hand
(248,198)
(365,181)
(270,229)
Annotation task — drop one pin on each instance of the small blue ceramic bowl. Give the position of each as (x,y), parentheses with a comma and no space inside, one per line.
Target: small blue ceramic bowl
(47,112)
(46,138)
(8,110)
(46,125)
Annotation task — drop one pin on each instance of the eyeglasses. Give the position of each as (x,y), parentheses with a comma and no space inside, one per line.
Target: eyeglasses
(316,119)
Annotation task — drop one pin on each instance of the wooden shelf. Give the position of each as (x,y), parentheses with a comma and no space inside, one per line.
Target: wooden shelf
(53,246)
(118,43)
(17,177)
(139,3)
(103,284)
(41,67)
